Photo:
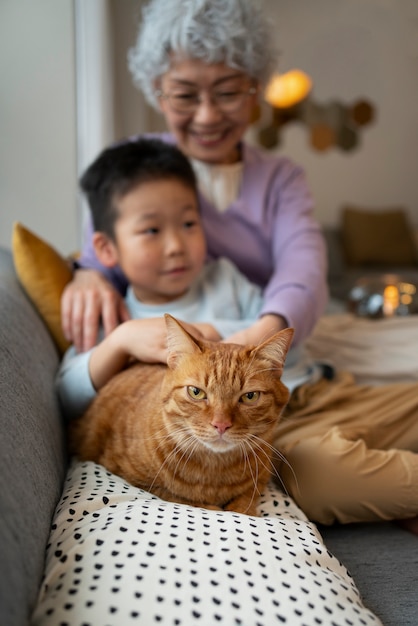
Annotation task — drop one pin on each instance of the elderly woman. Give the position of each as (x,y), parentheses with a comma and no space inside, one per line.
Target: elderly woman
(203,64)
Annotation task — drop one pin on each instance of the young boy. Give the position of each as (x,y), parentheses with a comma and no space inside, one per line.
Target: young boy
(144,204)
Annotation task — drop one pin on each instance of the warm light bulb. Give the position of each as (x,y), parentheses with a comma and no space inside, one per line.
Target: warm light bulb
(390,299)
(286,90)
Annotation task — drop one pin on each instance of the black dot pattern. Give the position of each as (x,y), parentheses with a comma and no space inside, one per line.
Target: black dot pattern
(119,555)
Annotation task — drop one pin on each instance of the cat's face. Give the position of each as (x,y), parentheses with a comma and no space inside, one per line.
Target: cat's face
(224,396)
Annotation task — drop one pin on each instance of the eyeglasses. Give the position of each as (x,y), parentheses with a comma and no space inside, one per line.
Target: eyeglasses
(187,102)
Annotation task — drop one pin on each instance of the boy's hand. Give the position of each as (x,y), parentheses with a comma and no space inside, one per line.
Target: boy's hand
(86,301)
(146,339)
(141,340)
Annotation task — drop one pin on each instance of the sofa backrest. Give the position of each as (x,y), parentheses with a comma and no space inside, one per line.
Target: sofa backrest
(32,447)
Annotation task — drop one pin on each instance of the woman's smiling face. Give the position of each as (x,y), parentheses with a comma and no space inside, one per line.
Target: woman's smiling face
(211,132)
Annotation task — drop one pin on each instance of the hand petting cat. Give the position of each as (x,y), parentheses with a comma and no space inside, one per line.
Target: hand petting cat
(142,340)
(259,331)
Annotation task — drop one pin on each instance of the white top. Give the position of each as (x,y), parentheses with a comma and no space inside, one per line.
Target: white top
(220,184)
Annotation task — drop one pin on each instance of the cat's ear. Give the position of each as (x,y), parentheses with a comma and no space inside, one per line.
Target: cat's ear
(179,341)
(276,348)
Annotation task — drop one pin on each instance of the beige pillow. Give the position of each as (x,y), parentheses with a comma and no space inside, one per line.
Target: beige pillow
(43,273)
(378,237)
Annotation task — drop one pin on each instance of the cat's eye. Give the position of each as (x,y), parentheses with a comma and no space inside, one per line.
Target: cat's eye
(196,393)
(250,397)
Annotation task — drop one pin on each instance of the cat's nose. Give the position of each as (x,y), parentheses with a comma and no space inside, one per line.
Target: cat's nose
(221,427)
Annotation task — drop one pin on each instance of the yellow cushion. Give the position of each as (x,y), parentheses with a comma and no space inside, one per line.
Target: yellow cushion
(378,237)
(43,273)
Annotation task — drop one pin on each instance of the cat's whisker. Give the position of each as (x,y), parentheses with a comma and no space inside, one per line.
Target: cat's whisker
(253,446)
(253,477)
(169,456)
(244,453)
(274,473)
(256,492)
(275,451)
(193,443)
(176,433)
(277,454)
(253,441)
(246,459)
(179,433)
(161,434)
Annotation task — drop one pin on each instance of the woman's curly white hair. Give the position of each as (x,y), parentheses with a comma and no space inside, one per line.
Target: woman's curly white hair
(234,32)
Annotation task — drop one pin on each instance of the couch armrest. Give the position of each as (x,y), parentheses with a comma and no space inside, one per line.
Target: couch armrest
(32,448)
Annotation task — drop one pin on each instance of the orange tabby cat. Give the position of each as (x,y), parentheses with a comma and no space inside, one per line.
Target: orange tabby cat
(199,431)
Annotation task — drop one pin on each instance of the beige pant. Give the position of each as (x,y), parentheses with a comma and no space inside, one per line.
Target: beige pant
(351,450)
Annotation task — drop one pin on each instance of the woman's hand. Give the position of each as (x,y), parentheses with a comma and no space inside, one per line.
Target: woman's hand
(202,330)
(86,301)
(258,332)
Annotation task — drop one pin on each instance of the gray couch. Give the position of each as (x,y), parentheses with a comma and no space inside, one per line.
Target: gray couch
(382,558)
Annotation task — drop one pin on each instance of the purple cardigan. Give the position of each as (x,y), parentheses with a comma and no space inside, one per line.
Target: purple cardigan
(270,234)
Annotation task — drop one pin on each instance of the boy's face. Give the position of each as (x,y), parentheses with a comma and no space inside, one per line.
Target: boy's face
(159,240)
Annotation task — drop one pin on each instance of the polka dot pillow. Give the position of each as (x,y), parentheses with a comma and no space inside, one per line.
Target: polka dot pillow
(119,556)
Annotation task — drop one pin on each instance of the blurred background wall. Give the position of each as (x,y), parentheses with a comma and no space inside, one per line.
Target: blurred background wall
(66,93)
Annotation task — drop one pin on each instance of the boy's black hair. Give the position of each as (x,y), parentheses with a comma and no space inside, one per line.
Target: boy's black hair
(117,170)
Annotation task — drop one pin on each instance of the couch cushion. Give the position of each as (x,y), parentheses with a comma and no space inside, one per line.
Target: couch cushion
(373,237)
(32,459)
(43,273)
(119,555)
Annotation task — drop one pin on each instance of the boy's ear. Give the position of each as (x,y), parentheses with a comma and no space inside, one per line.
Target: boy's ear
(105,249)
